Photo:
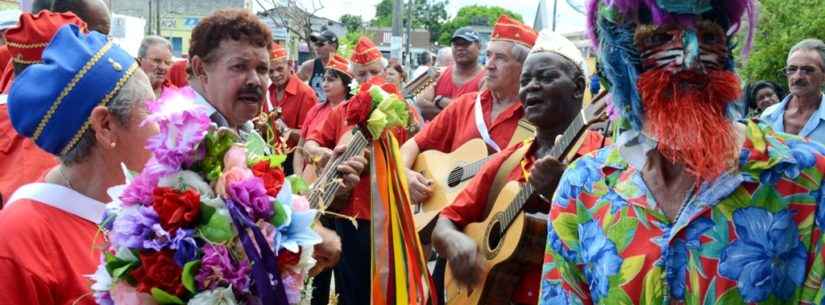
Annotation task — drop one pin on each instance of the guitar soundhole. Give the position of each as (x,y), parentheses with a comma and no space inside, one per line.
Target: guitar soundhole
(455,177)
(494,238)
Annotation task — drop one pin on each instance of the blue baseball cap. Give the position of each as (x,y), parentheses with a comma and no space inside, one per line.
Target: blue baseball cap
(50,102)
(467,33)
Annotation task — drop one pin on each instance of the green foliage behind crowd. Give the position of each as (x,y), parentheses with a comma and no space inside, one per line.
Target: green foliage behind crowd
(782,24)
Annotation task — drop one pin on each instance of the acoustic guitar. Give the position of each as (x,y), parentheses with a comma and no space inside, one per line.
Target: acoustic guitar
(510,241)
(322,191)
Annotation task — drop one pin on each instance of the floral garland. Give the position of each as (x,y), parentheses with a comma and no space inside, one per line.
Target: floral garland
(211,219)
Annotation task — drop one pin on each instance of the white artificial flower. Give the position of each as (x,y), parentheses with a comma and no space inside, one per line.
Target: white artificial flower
(101,278)
(218,296)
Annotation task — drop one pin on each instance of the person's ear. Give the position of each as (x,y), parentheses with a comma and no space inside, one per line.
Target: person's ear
(580,86)
(103,123)
(199,68)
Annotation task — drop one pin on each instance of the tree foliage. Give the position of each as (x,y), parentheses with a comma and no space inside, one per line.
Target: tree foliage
(782,24)
(474,15)
(427,14)
(353,23)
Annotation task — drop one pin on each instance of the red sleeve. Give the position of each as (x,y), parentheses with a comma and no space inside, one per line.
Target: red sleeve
(308,100)
(470,204)
(327,135)
(440,132)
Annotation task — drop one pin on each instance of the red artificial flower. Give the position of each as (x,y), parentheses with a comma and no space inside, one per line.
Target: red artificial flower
(176,209)
(358,108)
(273,177)
(287,259)
(158,270)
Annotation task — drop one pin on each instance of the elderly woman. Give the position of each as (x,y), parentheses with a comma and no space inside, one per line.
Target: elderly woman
(84,104)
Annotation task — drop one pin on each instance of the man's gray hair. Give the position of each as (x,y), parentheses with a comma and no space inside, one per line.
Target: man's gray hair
(150,41)
(811,44)
(519,52)
(120,107)
(384,63)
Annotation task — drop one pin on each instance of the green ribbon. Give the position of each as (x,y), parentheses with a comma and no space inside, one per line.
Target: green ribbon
(389,111)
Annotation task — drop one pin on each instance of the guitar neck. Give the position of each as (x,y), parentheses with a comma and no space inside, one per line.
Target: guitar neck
(323,190)
(560,149)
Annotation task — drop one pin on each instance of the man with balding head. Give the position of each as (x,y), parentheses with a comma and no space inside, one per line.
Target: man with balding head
(94,12)
(155,58)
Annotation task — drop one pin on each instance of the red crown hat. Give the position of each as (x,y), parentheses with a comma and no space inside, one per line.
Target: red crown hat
(278,53)
(365,52)
(509,29)
(33,33)
(339,63)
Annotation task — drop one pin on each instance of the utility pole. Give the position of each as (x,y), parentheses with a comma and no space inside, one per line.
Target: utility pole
(555,4)
(407,54)
(157,15)
(149,22)
(395,43)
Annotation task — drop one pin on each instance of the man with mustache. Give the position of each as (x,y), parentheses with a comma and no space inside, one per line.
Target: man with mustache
(801,112)
(229,57)
(155,58)
(687,207)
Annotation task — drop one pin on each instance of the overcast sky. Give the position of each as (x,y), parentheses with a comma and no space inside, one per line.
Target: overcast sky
(569,19)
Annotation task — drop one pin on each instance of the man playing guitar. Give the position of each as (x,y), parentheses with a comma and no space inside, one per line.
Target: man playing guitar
(552,89)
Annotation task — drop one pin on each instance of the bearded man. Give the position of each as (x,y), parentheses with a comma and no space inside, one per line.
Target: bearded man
(687,207)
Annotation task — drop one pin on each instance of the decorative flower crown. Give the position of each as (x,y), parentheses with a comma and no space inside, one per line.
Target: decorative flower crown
(211,219)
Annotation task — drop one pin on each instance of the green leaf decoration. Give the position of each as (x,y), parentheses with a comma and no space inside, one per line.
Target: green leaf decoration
(630,268)
(622,232)
(298,184)
(206,212)
(567,228)
(276,160)
(188,275)
(218,229)
(217,143)
(256,147)
(653,292)
(731,297)
(163,297)
(279,214)
(119,267)
(617,296)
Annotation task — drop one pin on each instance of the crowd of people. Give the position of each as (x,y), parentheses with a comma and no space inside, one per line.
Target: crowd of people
(701,191)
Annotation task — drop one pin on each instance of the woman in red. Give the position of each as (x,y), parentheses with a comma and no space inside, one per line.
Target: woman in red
(336,88)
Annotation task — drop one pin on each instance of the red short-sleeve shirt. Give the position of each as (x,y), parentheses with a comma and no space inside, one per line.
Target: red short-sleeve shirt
(46,259)
(456,124)
(447,88)
(332,131)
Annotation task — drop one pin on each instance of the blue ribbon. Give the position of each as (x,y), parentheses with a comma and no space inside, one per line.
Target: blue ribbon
(268,281)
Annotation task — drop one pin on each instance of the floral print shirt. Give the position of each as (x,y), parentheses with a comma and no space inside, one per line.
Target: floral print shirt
(753,236)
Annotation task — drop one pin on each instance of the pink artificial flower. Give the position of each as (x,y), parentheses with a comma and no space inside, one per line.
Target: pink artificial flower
(235,157)
(299,203)
(124,294)
(182,123)
(229,176)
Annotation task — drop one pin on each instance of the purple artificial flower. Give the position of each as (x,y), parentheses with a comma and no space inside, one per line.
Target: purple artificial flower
(139,191)
(218,270)
(133,227)
(186,249)
(104,298)
(251,194)
(160,239)
(183,125)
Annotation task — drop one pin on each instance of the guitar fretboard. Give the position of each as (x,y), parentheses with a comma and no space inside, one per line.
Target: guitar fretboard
(559,150)
(323,190)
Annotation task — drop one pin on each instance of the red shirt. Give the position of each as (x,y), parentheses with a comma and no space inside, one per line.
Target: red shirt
(456,124)
(298,99)
(315,118)
(7,78)
(21,161)
(447,88)
(5,57)
(46,259)
(177,74)
(470,204)
(331,132)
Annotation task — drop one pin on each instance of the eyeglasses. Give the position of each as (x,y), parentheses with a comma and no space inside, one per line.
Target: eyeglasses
(803,70)
(319,44)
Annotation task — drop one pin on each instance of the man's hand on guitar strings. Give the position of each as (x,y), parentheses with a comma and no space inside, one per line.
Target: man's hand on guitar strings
(351,169)
(420,187)
(545,175)
(464,260)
